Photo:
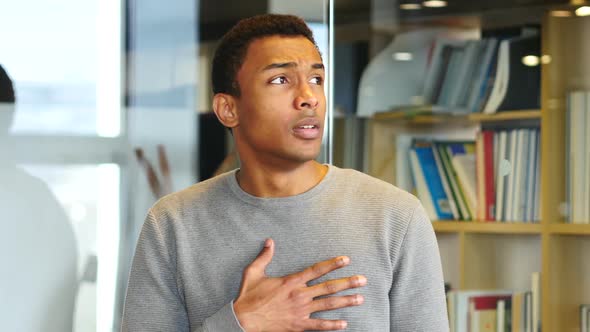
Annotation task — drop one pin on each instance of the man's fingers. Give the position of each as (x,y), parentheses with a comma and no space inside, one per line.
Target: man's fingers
(325,325)
(335,286)
(319,269)
(336,302)
(264,258)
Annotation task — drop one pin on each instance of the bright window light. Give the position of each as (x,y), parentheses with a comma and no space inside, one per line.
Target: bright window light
(107,240)
(109,82)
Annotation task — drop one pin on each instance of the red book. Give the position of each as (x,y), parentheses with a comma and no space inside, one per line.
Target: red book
(489,183)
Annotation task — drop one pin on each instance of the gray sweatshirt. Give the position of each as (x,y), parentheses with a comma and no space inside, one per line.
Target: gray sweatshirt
(195,244)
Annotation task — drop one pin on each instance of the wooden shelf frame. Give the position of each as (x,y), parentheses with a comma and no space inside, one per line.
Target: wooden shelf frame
(432,118)
(486,227)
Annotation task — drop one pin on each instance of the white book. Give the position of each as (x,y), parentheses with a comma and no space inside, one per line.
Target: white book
(500,167)
(403,172)
(584,318)
(520,178)
(576,156)
(496,151)
(528,312)
(422,186)
(513,150)
(501,316)
(537,184)
(501,80)
(531,177)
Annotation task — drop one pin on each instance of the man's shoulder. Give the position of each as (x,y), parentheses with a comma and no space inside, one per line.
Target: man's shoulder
(198,195)
(360,184)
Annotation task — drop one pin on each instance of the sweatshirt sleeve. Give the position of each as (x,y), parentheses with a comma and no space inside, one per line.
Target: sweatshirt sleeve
(154,301)
(417,298)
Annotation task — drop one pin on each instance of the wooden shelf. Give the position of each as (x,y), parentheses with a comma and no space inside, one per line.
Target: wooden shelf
(506,116)
(486,227)
(427,117)
(570,229)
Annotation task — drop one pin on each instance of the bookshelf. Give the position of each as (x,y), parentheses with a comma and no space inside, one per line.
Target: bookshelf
(489,255)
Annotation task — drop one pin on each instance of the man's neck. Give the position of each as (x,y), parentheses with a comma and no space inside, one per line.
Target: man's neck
(269,182)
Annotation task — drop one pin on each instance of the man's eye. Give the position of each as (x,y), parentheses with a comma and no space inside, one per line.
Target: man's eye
(317,80)
(279,80)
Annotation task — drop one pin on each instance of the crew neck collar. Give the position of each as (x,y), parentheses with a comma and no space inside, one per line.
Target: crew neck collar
(270,201)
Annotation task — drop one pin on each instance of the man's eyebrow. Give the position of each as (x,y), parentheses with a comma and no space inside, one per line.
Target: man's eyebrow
(290,65)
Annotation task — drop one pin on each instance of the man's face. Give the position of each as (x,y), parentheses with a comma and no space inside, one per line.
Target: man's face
(282,104)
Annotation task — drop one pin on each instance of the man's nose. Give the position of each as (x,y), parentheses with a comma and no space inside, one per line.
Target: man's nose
(306,99)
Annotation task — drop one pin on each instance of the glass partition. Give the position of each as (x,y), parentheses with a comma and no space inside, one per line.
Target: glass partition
(95,94)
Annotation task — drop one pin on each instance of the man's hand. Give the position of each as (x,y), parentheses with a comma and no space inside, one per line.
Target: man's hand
(285,304)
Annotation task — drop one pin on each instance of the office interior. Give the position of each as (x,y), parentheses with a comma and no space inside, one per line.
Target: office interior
(113,110)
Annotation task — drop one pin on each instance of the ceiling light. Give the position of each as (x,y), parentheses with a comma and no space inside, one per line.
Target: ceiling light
(410,6)
(434,3)
(530,60)
(583,11)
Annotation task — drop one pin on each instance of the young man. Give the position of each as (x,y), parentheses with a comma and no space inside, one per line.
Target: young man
(339,249)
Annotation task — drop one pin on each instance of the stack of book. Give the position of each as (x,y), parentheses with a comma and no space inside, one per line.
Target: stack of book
(495,310)
(487,75)
(578,157)
(495,178)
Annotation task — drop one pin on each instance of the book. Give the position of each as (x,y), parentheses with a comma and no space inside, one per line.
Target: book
(421,186)
(432,190)
(480,176)
(517,86)
(460,300)
(502,170)
(518,310)
(483,312)
(575,156)
(586,198)
(453,181)
(489,196)
(584,313)
(536,301)
(464,165)
(446,183)
(512,152)
(531,177)
(454,149)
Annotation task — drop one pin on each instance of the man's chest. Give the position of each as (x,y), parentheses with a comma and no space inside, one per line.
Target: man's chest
(211,273)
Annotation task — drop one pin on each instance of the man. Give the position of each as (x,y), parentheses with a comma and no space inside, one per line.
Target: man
(341,249)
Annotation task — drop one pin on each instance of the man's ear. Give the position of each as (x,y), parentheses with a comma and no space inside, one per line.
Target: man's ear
(225,108)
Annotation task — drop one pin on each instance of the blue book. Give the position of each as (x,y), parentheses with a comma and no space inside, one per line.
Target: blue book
(433,181)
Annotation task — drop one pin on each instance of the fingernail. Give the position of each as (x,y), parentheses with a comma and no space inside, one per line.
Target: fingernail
(343,325)
(343,260)
(361,280)
(359,299)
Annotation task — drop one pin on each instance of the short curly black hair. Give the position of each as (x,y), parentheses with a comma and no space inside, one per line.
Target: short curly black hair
(6,88)
(231,52)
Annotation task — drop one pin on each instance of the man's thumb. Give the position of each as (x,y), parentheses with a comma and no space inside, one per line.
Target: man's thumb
(264,257)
